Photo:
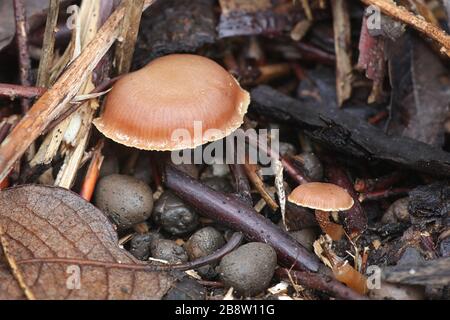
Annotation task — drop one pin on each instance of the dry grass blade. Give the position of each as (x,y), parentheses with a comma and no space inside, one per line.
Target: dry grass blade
(48,45)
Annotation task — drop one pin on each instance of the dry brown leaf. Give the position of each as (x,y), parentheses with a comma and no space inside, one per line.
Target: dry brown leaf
(49,222)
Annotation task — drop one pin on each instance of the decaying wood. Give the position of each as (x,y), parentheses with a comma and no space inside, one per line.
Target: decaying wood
(433,272)
(48,45)
(89,19)
(342,131)
(22,45)
(402,14)
(342,45)
(129,32)
(55,101)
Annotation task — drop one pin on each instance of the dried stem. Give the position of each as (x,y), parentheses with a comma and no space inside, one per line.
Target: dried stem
(383,194)
(402,14)
(22,45)
(13,91)
(342,44)
(130,28)
(232,244)
(48,45)
(251,170)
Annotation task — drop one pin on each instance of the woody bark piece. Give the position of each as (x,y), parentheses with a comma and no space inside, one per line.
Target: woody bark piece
(48,45)
(130,28)
(402,14)
(342,44)
(55,101)
(341,131)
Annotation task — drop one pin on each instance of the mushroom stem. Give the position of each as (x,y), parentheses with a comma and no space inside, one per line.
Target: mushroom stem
(334,230)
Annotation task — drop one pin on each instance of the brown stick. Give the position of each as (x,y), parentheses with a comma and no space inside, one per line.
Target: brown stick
(259,185)
(130,28)
(13,91)
(400,13)
(48,45)
(342,44)
(22,46)
(232,244)
(55,101)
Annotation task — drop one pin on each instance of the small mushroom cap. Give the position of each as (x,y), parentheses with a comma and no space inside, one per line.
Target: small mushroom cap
(173,92)
(321,196)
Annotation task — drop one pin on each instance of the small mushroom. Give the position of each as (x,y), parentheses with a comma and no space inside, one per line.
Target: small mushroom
(325,198)
(145,107)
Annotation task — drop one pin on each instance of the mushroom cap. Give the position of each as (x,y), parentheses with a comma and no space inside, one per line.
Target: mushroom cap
(321,196)
(145,107)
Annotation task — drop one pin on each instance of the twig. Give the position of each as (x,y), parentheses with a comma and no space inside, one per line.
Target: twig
(239,216)
(130,28)
(22,45)
(55,101)
(287,165)
(48,45)
(93,172)
(13,91)
(232,244)
(251,170)
(342,44)
(13,265)
(382,194)
(402,14)
(382,183)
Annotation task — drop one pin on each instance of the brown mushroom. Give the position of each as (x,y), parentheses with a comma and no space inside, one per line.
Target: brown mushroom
(325,198)
(146,107)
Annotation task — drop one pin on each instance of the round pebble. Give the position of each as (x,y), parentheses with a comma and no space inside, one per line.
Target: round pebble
(249,269)
(186,289)
(168,250)
(140,244)
(204,242)
(173,215)
(125,199)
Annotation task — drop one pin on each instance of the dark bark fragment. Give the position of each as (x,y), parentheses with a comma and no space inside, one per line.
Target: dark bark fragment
(348,134)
